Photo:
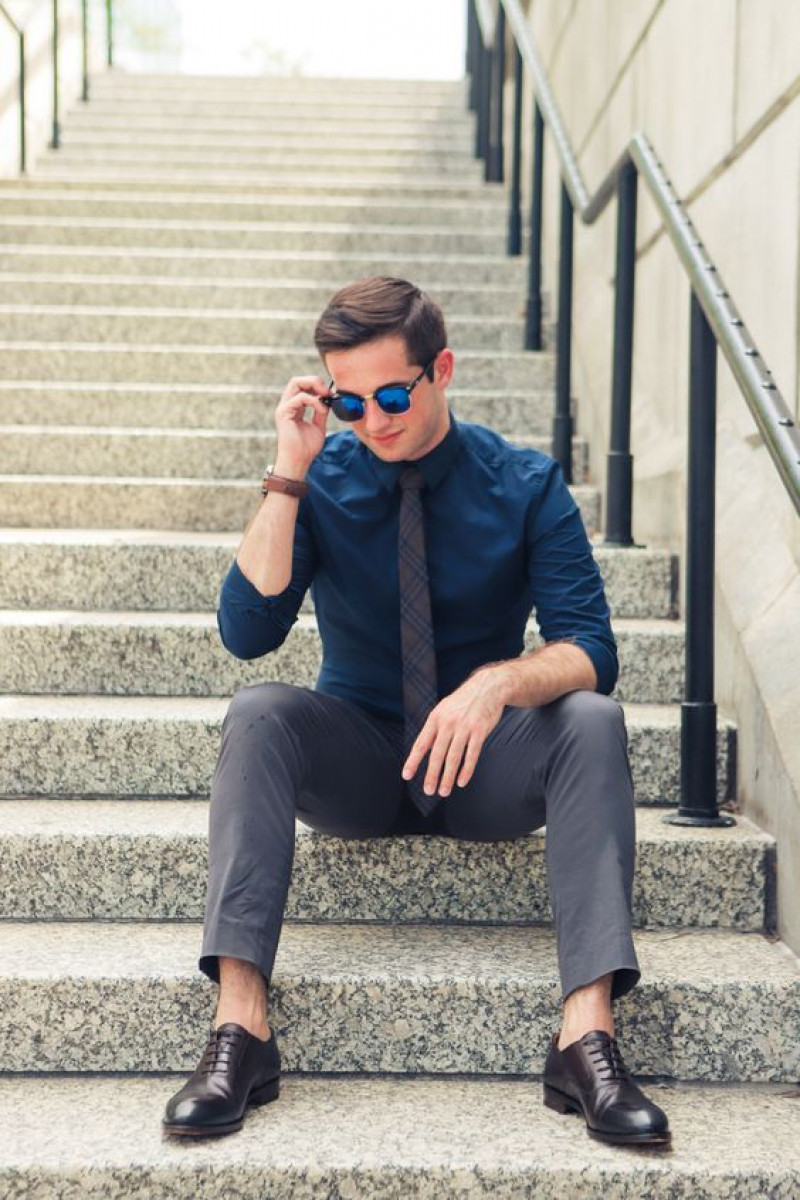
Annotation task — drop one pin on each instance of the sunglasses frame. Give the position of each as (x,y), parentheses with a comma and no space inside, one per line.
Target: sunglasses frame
(334,394)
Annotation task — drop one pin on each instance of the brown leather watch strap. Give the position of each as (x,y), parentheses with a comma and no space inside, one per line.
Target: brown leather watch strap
(289,487)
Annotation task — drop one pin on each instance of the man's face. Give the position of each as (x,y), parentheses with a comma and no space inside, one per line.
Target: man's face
(408,435)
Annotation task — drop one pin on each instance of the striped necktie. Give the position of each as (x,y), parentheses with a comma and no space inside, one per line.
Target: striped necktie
(416,627)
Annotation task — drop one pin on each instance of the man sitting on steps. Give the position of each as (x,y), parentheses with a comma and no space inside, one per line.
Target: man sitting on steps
(427,542)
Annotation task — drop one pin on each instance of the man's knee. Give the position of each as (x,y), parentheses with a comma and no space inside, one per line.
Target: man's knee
(590,714)
(590,729)
(262,701)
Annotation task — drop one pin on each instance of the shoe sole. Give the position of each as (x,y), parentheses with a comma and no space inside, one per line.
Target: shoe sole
(563,1104)
(262,1095)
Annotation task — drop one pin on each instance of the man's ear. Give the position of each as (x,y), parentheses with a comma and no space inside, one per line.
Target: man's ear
(443,368)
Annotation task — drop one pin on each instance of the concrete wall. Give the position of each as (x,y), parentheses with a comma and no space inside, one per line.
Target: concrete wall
(716,88)
(36,16)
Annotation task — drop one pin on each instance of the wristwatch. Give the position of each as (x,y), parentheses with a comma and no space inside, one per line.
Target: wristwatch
(277,483)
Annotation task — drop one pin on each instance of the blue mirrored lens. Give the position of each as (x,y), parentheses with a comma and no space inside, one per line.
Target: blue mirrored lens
(348,407)
(393,400)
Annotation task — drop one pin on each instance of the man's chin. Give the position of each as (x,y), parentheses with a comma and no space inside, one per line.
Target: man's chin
(388,447)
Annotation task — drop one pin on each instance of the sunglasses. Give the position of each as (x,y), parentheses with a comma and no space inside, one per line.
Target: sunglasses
(392,398)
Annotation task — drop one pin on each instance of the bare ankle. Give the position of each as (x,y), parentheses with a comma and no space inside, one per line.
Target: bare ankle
(570,1034)
(586,1009)
(242,997)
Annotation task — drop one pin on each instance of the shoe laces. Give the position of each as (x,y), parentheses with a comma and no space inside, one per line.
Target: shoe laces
(607,1058)
(219,1050)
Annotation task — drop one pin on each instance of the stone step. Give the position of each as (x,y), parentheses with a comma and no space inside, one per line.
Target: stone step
(307,108)
(260,366)
(86,502)
(180,654)
(228,183)
(221,406)
(370,113)
(711,1005)
(371,117)
(400,1139)
(377,161)
(201,106)
(143,860)
(320,266)
(305,141)
(256,235)
(153,291)
(302,208)
(234,105)
(81,570)
(290,118)
(171,453)
(118,83)
(222,327)
(123,746)
(235,177)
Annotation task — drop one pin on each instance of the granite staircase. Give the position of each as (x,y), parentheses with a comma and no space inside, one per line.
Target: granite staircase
(160,276)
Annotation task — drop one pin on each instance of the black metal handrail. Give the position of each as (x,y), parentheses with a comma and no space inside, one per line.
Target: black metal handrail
(20,31)
(714,321)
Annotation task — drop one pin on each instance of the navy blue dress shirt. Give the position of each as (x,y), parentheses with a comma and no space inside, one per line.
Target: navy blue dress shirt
(503,536)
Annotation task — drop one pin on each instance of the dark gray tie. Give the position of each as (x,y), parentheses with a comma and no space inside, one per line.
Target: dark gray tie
(416,627)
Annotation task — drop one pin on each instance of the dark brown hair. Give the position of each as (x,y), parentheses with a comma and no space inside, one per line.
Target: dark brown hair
(381,306)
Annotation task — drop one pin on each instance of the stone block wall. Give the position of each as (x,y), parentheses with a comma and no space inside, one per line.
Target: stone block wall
(716,88)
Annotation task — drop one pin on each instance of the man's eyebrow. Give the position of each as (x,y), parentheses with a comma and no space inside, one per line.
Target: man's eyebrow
(380,385)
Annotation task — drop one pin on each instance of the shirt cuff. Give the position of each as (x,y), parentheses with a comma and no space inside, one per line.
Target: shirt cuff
(604,662)
(239,588)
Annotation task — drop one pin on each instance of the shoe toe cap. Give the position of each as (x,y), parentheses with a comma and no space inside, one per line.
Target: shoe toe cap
(196,1111)
(631,1118)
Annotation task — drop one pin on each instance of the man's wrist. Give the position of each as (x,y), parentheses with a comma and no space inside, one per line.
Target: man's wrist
(500,676)
(290,468)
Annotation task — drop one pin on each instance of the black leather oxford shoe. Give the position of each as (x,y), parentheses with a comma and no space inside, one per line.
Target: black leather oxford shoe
(236,1069)
(590,1077)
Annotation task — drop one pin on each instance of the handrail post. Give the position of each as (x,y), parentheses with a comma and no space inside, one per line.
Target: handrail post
(23,152)
(698,802)
(485,102)
(533,308)
(56,142)
(619,476)
(494,162)
(562,423)
(110,31)
(476,88)
(482,84)
(514,209)
(85,48)
(472,49)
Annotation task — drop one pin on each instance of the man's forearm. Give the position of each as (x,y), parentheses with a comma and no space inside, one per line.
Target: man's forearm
(265,552)
(543,675)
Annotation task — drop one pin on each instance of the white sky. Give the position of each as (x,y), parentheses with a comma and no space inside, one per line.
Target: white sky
(401,39)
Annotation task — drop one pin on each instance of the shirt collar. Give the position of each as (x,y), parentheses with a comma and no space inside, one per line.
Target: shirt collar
(434,465)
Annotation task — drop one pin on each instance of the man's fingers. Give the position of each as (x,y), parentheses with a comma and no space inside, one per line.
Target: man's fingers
(302,392)
(436,760)
(299,401)
(474,747)
(452,763)
(306,383)
(418,752)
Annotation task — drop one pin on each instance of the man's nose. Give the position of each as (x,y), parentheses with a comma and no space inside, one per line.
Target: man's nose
(375,419)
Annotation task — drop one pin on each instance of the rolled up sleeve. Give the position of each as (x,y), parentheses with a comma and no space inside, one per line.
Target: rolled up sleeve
(568,593)
(251,625)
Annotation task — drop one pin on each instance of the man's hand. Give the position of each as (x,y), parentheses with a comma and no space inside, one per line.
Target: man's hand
(456,730)
(300,441)
(459,725)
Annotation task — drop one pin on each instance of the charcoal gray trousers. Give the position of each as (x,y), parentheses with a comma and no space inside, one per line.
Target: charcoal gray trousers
(292,753)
